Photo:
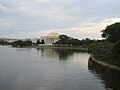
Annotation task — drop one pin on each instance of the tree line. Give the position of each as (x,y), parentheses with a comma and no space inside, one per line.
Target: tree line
(108,49)
(21,43)
(65,40)
(112,34)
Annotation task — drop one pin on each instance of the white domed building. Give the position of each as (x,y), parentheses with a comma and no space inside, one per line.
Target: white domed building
(51,38)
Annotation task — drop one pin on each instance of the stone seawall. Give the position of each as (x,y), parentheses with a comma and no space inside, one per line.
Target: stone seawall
(92,60)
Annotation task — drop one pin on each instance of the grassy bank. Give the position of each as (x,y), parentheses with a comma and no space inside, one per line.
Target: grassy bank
(103,51)
(57,47)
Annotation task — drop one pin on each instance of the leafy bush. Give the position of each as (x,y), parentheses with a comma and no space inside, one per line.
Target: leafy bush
(103,51)
(112,32)
(21,43)
(116,51)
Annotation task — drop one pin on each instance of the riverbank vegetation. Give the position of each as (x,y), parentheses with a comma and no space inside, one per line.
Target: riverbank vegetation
(65,42)
(57,47)
(108,50)
(21,43)
(69,41)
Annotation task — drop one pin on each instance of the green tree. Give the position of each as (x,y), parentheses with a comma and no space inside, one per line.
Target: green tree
(42,41)
(86,42)
(66,40)
(38,42)
(20,43)
(116,49)
(27,43)
(112,32)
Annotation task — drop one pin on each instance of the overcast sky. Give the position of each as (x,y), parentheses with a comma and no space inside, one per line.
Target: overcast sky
(76,18)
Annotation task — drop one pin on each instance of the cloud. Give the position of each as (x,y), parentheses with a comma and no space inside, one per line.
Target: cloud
(3,9)
(84,30)
(90,30)
(42,1)
(78,18)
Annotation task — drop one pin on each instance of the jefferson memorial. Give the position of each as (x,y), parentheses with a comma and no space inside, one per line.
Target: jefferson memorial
(51,38)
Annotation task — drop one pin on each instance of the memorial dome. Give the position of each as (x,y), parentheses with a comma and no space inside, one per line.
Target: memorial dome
(53,34)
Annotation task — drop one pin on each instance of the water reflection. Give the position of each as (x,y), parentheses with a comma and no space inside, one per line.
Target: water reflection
(111,79)
(62,54)
(41,69)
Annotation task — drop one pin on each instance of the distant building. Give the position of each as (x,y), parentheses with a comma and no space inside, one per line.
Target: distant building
(8,40)
(12,40)
(51,38)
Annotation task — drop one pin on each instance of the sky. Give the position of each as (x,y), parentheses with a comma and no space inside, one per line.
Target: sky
(75,18)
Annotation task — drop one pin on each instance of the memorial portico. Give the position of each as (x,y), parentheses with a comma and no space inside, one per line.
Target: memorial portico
(51,38)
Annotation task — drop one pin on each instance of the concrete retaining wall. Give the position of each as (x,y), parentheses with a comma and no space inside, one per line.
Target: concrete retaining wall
(93,60)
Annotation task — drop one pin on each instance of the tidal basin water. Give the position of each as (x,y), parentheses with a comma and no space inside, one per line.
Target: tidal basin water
(52,69)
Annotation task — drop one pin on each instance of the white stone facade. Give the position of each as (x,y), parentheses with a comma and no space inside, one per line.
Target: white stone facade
(51,38)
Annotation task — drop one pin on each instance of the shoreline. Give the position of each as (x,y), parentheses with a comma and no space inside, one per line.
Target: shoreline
(57,47)
(92,60)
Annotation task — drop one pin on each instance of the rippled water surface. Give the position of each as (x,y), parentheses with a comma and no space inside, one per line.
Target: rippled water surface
(51,69)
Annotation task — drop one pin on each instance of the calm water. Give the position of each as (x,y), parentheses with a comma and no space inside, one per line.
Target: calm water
(52,69)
